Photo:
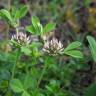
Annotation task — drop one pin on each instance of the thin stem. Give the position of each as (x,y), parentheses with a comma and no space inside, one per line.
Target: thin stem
(14,66)
(17,30)
(42,74)
(17,58)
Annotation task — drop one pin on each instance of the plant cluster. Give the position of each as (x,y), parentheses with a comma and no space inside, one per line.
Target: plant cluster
(39,65)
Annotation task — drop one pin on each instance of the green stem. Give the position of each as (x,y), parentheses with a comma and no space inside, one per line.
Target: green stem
(17,30)
(17,58)
(42,74)
(14,66)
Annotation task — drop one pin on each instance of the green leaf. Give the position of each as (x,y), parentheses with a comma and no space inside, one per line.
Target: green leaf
(72,46)
(92,43)
(17,15)
(28,81)
(74,53)
(16,85)
(6,14)
(49,27)
(91,90)
(49,88)
(38,28)
(35,21)
(25,93)
(23,11)
(30,29)
(20,13)
(13,10)
(25,50)
(13,42)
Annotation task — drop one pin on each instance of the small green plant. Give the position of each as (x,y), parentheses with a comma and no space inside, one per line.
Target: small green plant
(27,76)
(14,16)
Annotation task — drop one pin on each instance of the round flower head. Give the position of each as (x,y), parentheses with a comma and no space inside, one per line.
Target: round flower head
(21,38)
(53,47)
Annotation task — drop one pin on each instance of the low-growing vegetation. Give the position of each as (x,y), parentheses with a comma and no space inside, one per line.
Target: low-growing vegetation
(48,48)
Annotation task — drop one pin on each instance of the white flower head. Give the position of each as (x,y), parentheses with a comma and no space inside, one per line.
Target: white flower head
(21,38)
(53,46)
